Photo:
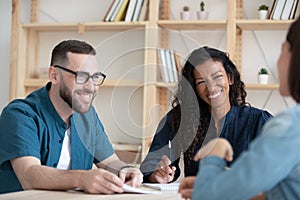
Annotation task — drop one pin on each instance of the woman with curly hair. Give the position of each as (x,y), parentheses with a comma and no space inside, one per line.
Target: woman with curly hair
(210,102)
(270,168)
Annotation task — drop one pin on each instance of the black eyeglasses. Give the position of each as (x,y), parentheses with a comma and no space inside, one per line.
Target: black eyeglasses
(83,77)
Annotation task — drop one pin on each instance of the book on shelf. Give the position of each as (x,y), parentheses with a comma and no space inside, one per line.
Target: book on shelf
(169,63)
(130,10)
(111,10)
(122,11)
(162,65)
(178,63)
(294,8)
(173,66)
(271,13)
(169,66)
(116,10)
(297,12)
(144,11)
(137,10)
(278,9)
(287,9)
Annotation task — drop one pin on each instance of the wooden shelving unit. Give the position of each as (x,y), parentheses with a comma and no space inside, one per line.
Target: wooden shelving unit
(25,47)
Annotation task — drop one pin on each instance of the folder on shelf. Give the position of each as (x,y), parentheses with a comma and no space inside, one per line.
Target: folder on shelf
(294,8)
(297,13)
(278,9)
(114,14)
(144,11)
(137,10)
(163,65)
(121,12)
(287,9)
(111,10)
(130,10)
(173,66)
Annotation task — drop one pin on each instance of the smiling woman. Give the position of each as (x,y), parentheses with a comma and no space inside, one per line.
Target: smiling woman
(210,102)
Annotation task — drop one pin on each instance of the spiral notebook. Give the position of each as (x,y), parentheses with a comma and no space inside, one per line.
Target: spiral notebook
(163,187)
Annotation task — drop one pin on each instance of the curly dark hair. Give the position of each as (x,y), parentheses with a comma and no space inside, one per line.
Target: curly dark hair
(191,115)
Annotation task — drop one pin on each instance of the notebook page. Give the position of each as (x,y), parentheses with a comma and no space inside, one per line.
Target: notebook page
(162,186)
(130,189)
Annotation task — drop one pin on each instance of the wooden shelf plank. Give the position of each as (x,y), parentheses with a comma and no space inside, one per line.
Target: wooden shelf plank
(107,83)
(126,147)
(257,24)
(262,86)
(88,26)
(192,24)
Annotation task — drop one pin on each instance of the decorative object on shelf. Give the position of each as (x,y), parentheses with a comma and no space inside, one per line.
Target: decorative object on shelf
(263,11)
(263,76)
(186,14)
(202,14)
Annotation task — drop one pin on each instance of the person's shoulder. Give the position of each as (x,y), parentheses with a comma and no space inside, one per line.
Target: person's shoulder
(30,103)
(252,110)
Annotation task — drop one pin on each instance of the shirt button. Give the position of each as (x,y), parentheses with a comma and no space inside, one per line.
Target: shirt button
(55,164)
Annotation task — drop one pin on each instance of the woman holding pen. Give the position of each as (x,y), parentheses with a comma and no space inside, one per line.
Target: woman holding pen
(271,165)
(210,102)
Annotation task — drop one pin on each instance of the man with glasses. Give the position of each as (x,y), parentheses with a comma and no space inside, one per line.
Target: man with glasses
(50,139)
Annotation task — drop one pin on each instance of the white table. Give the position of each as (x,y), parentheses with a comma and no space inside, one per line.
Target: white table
(77,195)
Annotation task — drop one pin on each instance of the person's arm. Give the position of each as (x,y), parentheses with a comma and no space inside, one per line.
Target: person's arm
(156,166)
(257,170)
(33,175)
(127,173)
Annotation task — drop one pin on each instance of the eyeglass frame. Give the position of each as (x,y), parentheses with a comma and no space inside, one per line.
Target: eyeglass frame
(82,72)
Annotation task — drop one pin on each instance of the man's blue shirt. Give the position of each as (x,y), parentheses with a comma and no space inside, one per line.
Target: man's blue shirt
(32,127)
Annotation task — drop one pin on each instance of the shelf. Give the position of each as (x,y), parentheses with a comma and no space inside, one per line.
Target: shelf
(263,24)
(192,24)
(107,83)
(127,147)
(85,26)
(262,86)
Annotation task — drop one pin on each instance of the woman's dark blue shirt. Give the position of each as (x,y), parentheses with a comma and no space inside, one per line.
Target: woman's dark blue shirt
(242,124)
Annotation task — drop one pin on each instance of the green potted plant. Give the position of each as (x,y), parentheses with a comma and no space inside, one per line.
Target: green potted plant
(202,14)
(186,14)
(263,11)
(263,76)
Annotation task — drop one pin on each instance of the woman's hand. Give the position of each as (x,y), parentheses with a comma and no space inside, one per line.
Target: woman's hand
(218,147)
(186,187)
(164,173)
(131,176)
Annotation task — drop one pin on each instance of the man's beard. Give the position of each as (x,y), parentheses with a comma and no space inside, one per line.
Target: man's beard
(72,101)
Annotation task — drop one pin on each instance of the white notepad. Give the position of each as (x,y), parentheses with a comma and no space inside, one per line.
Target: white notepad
(130,189)
(163,187)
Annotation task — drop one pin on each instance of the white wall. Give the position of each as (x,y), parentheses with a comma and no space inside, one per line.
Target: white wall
(5,21)
(253,43)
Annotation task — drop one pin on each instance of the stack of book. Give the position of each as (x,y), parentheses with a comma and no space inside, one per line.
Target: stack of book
(170,65)
(127,10)
(284,9)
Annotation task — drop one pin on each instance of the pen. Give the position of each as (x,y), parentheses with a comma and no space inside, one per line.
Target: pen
(170,154)
(170,150)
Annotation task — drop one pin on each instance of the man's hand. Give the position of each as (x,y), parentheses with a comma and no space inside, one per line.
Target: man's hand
(218,147)
(100,181)
(164,173)
(131,176)
(186,187)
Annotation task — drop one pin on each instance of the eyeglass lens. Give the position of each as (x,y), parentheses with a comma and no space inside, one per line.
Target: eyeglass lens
(83,77)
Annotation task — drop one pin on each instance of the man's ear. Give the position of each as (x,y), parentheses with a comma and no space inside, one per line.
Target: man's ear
(53,75)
